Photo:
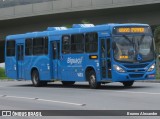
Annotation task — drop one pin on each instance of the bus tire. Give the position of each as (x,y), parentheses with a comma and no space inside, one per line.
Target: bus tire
(128,83)
(35,79)
(44,83)
(91,77)
(68,83)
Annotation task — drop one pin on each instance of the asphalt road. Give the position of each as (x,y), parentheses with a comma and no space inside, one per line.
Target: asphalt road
(21,95)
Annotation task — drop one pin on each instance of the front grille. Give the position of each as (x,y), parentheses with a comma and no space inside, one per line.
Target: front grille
(139,70)
(135,65)
(136,75)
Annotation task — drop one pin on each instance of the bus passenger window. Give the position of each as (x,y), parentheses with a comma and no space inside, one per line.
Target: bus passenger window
(66,44)
(91,44)
(108,48)
(28,48)
(46,45)
(40,46)
(11,48)
(77,43)
(103,48)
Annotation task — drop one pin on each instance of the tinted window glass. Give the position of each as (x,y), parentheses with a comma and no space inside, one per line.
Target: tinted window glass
(40,46)
(66,44)
(20,52)
(11,48)
(46,45)
(77,43)
(91,44)
(28,50)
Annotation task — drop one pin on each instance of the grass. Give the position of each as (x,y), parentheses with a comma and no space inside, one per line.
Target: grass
(158,76)
(2,74)
(158,70)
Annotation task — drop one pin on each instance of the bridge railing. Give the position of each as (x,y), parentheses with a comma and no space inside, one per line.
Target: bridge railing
(10,9)
(11,3)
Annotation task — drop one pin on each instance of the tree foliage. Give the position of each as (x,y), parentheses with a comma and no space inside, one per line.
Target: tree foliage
(157,38)
(84,21)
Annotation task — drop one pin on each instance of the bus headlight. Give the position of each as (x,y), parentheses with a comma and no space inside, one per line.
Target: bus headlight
(151,67)
(118,68)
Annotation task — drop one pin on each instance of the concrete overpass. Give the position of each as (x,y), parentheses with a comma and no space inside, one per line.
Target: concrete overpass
(38,16)
(64,6)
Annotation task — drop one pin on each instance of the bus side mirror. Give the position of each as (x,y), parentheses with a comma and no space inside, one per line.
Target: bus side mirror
(113,45)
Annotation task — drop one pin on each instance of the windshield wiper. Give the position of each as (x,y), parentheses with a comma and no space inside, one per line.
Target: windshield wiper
(131,41)
(127,38)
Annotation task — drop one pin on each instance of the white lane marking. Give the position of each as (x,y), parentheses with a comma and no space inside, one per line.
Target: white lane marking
(53,101)
(137,92)
(61,102)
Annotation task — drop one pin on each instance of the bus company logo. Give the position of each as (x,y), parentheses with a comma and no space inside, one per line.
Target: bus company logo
(74,60)
(6,113)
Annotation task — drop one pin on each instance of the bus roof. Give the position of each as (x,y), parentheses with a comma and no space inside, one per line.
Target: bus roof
(77,28)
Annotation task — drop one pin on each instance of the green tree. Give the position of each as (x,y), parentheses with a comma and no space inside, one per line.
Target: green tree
(84,21)
(157,38)
(157,42)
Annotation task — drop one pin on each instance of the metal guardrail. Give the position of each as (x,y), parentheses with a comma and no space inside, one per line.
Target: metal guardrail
(11,3)
(10,9)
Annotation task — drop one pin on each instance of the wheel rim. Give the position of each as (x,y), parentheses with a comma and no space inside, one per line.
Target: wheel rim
(35,79)
(92,79)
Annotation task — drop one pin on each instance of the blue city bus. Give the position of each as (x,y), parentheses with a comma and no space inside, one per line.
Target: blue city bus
(98,54)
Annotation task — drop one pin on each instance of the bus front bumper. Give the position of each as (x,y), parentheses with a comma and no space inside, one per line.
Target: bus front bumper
(121,77)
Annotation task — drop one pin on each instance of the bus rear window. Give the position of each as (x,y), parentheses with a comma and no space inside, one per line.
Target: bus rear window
(11,48)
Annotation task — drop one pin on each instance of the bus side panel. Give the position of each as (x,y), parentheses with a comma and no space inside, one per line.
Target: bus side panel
(44,68)
(10,67)
(41,64)
(28,65)
(72,67)
(94,63)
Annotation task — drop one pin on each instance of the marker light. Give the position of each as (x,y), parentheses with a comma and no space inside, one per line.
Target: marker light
(93,57)
(118,68)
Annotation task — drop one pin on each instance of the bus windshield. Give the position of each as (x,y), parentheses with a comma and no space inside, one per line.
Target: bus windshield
(133,48)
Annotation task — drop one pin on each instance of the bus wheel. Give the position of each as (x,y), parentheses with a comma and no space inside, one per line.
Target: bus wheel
(92,80)
(35,79)
(128,83)
(68,83)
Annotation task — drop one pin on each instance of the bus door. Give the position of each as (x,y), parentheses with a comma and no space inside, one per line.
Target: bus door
(55,57)
(20,61)
(106,58)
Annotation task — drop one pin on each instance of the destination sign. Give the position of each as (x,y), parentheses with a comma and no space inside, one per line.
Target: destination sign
(120,30)
(131,30)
